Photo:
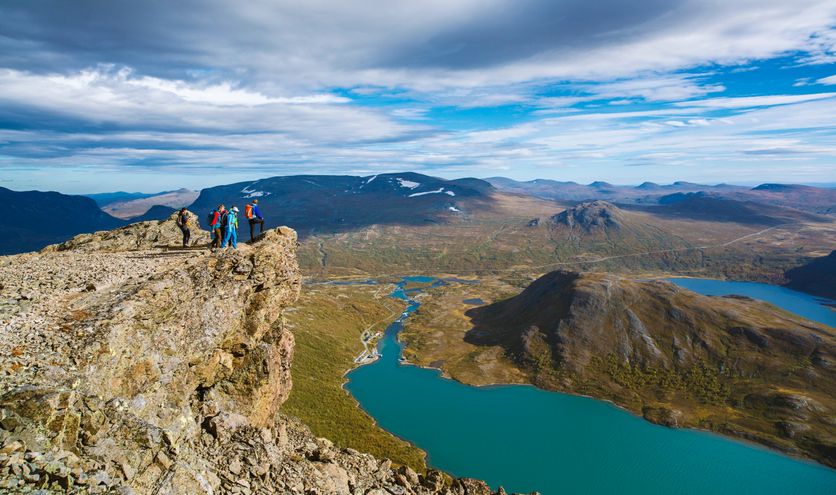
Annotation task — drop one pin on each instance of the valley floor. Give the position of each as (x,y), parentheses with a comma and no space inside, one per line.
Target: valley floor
(328,322)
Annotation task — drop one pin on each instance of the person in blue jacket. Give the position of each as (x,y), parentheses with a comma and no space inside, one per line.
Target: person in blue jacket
(231,237)
(254,217)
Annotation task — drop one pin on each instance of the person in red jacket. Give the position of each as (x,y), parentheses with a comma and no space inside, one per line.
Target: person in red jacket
(215,226)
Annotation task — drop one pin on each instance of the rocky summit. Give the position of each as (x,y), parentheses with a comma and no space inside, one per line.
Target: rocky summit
(591,216)
(133,366)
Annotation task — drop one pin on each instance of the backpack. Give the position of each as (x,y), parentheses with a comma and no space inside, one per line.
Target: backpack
(224,219)
(209,218)
(248,212)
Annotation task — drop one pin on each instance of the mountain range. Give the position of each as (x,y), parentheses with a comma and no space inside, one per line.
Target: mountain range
(35,219)
(351,224)
(326,204)
(132,206)
(811,199)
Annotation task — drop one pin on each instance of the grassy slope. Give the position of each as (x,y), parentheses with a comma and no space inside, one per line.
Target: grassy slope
(327,322)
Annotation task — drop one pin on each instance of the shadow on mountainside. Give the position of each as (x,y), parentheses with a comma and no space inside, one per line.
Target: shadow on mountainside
(540,306)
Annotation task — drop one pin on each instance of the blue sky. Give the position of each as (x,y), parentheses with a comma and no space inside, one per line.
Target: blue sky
(145,96)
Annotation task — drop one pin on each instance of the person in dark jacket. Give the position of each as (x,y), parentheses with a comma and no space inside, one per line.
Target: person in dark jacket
(183,222)
(254,217)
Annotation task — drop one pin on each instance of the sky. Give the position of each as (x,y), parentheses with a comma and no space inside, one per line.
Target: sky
(105,95)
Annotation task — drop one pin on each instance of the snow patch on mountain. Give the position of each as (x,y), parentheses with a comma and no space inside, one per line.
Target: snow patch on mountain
(252,193)
(426,192)
(256,194)
(407,183)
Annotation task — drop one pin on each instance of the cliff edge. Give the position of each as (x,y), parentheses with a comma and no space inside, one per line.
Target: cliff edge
(133,367)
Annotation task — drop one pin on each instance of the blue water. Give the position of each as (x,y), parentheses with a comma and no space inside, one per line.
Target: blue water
(808,306)
(529,439)
(474,301)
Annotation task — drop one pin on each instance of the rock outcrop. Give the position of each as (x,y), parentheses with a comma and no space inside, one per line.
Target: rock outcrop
(135,368)
(591,216)
(136,236)
(731,364)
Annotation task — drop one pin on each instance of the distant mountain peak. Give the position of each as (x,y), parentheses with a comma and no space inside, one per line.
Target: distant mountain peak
(779,187)
(592,215)
(648,185)
(680,196)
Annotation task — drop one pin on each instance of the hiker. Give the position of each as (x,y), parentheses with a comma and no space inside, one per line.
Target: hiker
(253,215)
(215,220)
(183,222)
(231,224)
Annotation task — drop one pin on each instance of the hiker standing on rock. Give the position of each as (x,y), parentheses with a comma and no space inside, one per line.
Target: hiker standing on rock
(231,227)
(216,217)
(253,215)
(183,222)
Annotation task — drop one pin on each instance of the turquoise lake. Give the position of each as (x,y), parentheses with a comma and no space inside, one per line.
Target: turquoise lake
(808,306)
(527,439)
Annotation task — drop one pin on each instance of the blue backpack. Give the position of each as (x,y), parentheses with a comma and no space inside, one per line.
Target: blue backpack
(209,218)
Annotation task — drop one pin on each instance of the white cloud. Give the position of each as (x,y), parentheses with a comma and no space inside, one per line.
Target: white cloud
(755,101)
(107,96)
(658,88)
(410,113)
(254,86)
(295,46)
(222,94)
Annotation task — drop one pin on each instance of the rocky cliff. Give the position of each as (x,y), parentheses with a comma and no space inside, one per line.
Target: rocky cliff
(729,364)
(130,367)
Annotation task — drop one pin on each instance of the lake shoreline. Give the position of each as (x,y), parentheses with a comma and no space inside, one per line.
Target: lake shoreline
(414,297)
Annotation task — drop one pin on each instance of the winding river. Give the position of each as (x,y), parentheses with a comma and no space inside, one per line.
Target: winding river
(529,439)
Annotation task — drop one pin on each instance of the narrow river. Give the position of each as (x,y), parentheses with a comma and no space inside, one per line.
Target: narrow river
(529,439)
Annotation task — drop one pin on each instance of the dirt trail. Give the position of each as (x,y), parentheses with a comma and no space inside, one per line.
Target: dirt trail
(661,251)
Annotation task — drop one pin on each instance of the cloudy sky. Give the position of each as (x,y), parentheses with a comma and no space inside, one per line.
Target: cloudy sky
(101,95)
